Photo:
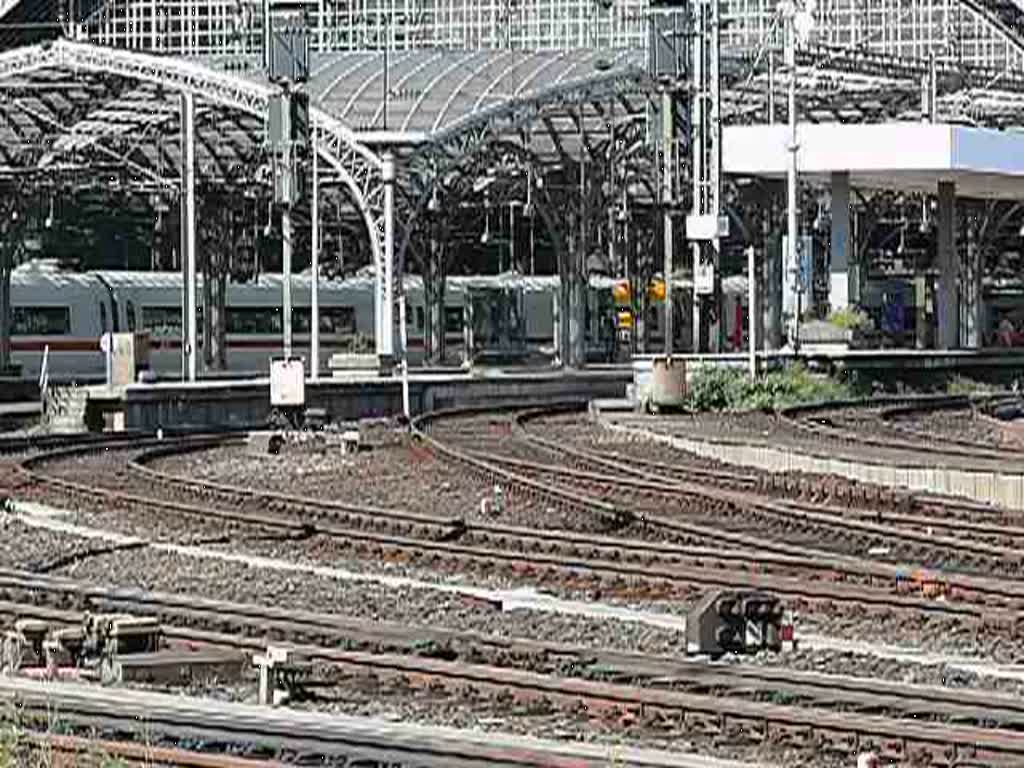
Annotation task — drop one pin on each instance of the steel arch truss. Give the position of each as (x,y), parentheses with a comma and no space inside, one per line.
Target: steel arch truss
(359,169)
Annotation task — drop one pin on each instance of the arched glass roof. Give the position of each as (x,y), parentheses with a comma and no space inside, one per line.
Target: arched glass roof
(430,90)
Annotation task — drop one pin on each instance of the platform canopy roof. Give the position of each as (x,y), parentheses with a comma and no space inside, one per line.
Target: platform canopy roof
(909,157)
(435,90)
(114,114)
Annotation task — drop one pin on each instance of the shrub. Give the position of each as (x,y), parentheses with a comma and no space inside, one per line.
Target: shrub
(961,385)
(726,389)
(717,389)
(850,319)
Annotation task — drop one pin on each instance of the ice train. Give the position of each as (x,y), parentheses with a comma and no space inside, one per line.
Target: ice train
(68,312)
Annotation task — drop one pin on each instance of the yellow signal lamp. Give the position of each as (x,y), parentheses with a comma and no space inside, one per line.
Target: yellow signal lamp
(656,290)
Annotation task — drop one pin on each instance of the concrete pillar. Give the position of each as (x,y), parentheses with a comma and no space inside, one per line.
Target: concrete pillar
(772,276)
(839,243)
(556,325)
(468,336)
(188,236)
(576,356)
(971,327)
(5,307)
(946,303)
(438,329)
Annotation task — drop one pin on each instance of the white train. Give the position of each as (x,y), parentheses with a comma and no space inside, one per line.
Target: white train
(69,312)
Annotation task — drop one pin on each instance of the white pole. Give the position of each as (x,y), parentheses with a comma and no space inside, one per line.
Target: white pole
(667,174)
(386,346)
(791,224)
(188,230)
(314,309)
(286,278)
(751,312)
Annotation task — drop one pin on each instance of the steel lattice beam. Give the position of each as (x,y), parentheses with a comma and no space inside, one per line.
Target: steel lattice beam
(358,167)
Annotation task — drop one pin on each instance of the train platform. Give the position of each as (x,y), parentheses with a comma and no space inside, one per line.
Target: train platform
(246,404)
(17,414)
(965,362)
(818,443)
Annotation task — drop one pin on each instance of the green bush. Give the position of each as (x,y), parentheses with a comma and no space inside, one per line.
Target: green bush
(849,319)
(731,389)
(961,385)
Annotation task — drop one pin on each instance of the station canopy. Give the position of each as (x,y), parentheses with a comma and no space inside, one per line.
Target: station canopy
(113,116)
(66,116)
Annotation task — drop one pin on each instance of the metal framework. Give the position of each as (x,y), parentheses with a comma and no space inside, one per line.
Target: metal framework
(357,167)
(972,32)
(555,91)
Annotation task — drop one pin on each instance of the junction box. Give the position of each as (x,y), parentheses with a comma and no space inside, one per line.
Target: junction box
(739,622)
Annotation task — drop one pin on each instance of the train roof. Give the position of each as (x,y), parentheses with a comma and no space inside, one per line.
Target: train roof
(53,280)
(272,281)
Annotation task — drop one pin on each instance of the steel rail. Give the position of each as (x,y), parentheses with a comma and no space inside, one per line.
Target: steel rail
(966,587)
(992,602)
(946,744)
(985,709)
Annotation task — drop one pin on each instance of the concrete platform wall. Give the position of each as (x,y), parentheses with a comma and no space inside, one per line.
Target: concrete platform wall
(1003,489)
(247,404)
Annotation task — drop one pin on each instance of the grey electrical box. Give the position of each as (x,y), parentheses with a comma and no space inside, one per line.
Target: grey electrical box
(668,49)
(279,121)
(288,55)
(735,621)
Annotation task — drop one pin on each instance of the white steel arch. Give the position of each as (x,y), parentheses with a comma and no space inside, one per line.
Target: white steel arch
(361,170)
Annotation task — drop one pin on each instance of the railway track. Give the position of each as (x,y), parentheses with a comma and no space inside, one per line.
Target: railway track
(645,688)
(622,481)
(748,705)
(997,543)
(612,564)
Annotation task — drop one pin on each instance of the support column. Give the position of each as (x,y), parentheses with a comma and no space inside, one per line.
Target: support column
(188,236)
(947,308)
(577,321)
(971,332)
(667,142)
(386,292)
(439,319)
(839,243)
(314,213)
(772,276)
(5,307)
(286,279)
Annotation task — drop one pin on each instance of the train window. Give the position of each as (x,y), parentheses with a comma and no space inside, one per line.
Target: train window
(419,318)
(254,320)
(104,322)
(161,321)
(129,309)
(453,319)
(41,321)
(333,320)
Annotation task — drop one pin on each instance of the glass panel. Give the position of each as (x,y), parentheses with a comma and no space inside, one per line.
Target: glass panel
(333,320)
(162,321)
(41,321)
(254,320)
